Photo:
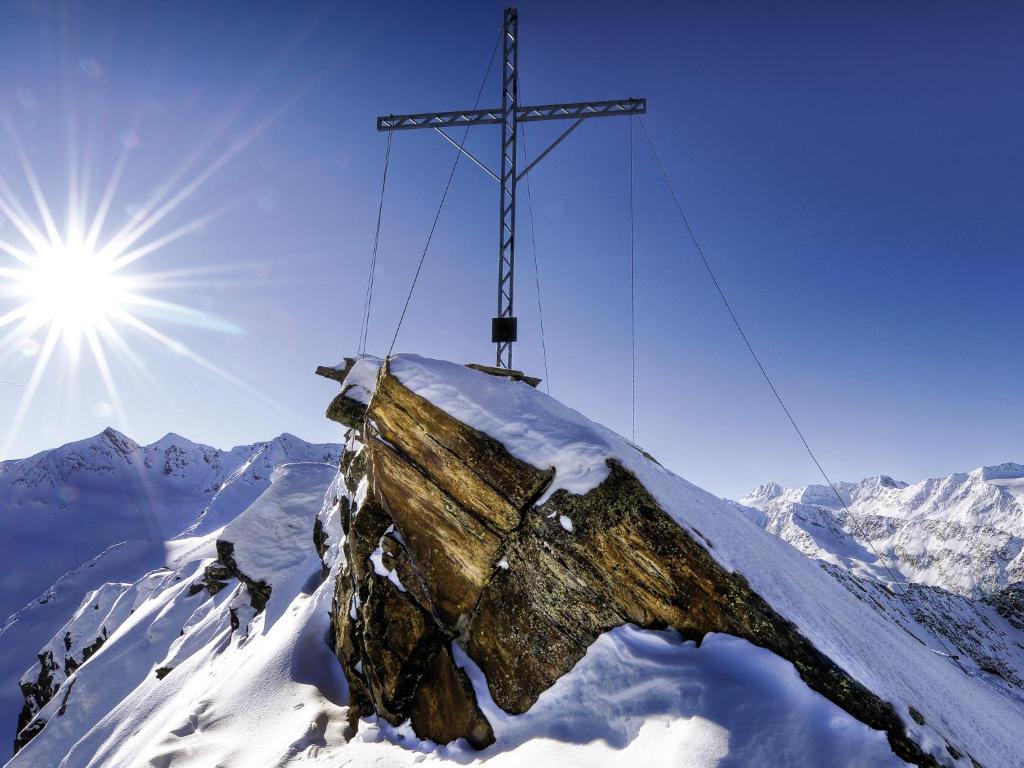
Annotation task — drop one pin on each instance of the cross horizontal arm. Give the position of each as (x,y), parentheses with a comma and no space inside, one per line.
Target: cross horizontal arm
(582,109)
(573,111)
(439,119)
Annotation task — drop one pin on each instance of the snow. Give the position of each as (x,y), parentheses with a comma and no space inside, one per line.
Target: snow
(60,508)
(27,630)
(537,429)
(647,697)
(963,532)
(565,522)
(275,532)
(361,381)
(271,693)
(377,559)
(231,698)
(107,509)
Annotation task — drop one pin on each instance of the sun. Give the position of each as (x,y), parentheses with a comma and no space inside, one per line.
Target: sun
(72,288)
(76,290)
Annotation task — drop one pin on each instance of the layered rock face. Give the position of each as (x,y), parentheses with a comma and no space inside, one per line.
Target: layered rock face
(447,546)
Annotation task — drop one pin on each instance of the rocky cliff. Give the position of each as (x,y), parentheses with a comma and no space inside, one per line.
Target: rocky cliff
(479,527)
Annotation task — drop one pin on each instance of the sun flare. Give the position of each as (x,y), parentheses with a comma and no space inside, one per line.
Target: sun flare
(72,288)
(73,291)
(76,289)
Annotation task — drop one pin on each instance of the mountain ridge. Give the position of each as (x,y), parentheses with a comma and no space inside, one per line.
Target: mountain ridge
(963,531)
(507,571)
(106,508)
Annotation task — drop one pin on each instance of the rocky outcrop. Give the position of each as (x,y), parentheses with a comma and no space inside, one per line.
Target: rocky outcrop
(218,573)
(1009,603)
(349,406)
(37,693)
(82,636)
(443,544)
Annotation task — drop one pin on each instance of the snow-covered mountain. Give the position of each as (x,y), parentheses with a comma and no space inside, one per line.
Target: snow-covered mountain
(963,532)
(106,509)
(290,591)
(61,507)
(173,665)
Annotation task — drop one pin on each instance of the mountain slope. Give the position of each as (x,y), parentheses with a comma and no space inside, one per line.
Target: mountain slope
(106,509)
(502,568)
(963,532)
(180,660)
(94,493)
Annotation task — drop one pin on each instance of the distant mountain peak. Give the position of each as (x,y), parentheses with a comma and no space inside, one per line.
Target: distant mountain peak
(963,532)
(1005,471)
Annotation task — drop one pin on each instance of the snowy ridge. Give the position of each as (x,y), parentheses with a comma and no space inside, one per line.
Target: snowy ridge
(175,667)
(963,532)
(108,488)
(107,509)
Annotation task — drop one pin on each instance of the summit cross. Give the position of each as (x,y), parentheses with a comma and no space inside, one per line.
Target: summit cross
(504,331)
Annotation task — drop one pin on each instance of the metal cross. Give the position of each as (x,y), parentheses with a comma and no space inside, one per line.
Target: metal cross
(508,116)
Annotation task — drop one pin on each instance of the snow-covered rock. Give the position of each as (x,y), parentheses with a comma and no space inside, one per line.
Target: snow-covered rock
(476,473)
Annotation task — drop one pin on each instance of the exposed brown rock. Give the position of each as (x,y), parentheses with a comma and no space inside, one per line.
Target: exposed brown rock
(452,550)
(445,708)
(474,468)
(347,411)
(337,374)
(508,373)
(453,514)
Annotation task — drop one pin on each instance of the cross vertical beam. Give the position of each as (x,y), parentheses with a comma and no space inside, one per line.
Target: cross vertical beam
(503,327)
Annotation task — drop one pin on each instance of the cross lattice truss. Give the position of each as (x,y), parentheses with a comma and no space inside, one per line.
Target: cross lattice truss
(504,331)
(523,114)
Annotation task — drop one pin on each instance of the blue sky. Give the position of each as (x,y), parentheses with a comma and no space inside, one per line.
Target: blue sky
(853,171)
